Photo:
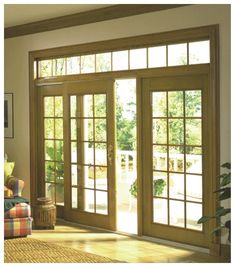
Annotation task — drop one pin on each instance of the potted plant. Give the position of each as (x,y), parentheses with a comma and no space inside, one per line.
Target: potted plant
(158,187)
(224,192)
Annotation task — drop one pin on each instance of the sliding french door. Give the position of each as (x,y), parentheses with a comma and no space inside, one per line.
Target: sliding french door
(90,149)
(77,151)
(175,167)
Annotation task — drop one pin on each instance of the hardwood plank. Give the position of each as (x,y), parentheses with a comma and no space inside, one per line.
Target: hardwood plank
(120,247)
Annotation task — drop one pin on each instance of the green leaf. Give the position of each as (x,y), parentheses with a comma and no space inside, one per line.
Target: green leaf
(226,165)
(204,219)
(226,179)
(222,212)
(220,190)
(226,194)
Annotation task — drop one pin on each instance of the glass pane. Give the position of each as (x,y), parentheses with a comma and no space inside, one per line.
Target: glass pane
(120,60)
(103,62)
(193,101)
(88,105)
(58,106)
(159,131)
(89,176)
(199,52)
(177,213)
(49,106)
(176,158)
(193,159)
(194,188)
(100,105)
(157,56)
(50,191)
(59,128)
(73,129)
(73,65)
(49,128)
(176,185)
(73,105)
(49,150)
(177,54)
(100,154)
(59,150)
(45,68)
(101,178)
(159,104)
(193,131)
(160,211)
(49,171)
(175,104)
(89,200)
(74,152)
(59,172)
(88,64)
(194,212)
(138,58)
(88,153)
(101,202)
(160,184)
(59,66)
(35,69)
(100,130)
(176,131)
(88,129)
(74,175)
(160,158)
(74,198)
(60,194)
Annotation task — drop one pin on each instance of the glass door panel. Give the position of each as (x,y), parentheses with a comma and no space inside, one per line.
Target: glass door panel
(92,124)
(91,138)
(53,148)
(175,149)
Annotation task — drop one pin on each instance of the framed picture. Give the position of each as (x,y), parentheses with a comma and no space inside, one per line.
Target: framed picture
(8,116)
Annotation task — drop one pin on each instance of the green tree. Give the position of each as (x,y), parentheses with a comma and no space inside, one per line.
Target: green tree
(126,130)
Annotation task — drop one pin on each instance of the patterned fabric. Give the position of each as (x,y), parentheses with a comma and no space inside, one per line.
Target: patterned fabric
(17,227)
(16,186)
(20,210)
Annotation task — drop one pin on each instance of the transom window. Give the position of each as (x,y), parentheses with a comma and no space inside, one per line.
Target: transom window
(188,53)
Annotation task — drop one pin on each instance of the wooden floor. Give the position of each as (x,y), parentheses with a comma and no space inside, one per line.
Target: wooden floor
(119,247)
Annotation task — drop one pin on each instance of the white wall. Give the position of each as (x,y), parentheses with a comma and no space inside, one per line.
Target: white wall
(16,65)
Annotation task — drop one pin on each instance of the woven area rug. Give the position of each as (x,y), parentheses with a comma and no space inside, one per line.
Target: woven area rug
(29,250)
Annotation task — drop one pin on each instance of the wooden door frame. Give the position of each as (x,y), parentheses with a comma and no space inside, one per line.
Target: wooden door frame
(210,32)
(167,84)
(87,87)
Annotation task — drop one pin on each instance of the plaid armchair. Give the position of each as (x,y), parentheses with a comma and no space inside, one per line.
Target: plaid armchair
(17,211)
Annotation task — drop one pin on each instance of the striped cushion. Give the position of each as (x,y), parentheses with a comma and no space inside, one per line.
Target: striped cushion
(16,185)
(17,227)
(19,211)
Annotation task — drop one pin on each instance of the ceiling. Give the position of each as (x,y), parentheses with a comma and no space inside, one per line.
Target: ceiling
(17,14)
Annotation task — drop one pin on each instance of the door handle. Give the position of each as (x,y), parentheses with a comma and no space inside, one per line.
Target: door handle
(110,154)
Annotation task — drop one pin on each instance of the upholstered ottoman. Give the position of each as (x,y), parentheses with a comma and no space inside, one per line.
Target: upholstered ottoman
(17,221)
(17,227)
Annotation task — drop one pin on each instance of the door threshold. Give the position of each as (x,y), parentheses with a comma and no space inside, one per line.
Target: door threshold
(143,237)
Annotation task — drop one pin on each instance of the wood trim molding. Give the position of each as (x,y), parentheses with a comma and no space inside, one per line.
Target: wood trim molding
(153,39)
(97,15)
